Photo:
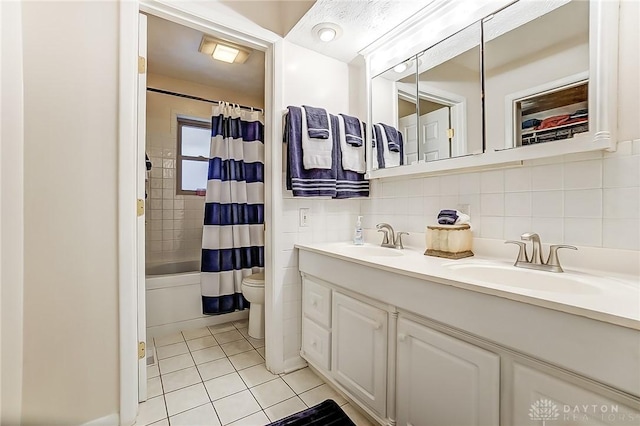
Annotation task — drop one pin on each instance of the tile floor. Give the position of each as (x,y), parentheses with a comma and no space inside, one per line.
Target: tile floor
(217,376)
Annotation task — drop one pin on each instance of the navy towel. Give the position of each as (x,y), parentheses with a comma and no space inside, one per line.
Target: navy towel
(317,122)
(447,217)
(393,140)
(147,162)
(327,413)
(533,122)
(352,130)
(349,184)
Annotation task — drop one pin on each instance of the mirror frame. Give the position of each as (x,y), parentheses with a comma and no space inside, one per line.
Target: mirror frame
(603,82)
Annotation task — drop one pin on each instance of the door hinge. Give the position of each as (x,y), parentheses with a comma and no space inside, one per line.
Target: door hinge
(141,350)
(450,133)
(140,207)
(142,65)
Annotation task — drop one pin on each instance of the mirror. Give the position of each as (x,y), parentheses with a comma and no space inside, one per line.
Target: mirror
(450,101)
(536,57)
(394,113)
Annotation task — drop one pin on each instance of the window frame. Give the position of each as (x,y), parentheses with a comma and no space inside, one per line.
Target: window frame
(188,122)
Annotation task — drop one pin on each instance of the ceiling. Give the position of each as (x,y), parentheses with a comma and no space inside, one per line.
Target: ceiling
(173,48)
(362,22)
(172,51)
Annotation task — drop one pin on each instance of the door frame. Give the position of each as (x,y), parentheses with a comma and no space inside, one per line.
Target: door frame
(207,19)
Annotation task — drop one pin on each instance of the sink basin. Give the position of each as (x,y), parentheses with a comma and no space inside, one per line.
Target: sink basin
(372,251)
(511,276)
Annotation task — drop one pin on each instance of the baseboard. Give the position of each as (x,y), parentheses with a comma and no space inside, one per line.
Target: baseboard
(110,420)
(293,364)
(174,327)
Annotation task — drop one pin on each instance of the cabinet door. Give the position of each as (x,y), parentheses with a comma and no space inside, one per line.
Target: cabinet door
(539,397)
(444,381)
(359,350)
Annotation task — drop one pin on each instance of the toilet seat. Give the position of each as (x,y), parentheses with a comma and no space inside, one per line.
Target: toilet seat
(254,280)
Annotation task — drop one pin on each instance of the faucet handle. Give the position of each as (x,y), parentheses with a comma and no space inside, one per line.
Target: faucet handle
(398,241)
(553,255)
(385,239)
(522,253)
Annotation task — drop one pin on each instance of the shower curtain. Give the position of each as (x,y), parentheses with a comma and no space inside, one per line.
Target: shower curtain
(233,232)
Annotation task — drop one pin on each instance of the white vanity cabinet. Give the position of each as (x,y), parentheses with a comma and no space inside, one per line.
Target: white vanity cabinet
(359,355)
(316,322)
(444,381)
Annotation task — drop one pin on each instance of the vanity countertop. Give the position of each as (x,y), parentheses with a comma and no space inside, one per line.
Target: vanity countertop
(616,299)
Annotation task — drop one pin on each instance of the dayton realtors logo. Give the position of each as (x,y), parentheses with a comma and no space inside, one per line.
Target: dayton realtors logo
(544,409)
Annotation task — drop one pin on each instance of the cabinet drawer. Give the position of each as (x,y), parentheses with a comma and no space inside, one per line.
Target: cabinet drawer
(316,343)
(316,302)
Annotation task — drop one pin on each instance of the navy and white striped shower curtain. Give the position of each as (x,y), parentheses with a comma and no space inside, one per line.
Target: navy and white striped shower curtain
(233,232)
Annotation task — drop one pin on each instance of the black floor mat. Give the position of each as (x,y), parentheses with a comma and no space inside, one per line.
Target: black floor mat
(327,413)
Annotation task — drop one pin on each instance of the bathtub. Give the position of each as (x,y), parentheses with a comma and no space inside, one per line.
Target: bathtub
(173,299)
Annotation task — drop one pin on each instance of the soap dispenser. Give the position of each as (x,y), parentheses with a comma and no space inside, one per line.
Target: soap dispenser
(358,238)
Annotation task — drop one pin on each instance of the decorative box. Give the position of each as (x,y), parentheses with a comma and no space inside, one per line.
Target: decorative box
(449,241)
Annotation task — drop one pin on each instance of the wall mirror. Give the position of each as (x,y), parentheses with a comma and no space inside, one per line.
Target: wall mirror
(536,57)
(450,97)
(394,107)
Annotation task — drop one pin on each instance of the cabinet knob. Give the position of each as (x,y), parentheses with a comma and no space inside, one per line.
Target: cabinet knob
(402,337)
(314,303)
(314,343)
(377,326)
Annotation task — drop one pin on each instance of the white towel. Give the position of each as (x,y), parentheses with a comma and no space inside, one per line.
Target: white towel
(352,156)
(391,159)
(316,153)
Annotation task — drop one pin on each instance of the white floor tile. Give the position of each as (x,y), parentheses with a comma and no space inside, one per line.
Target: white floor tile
(172,350)
(175,363)
(256,343)
(186,399)
(256,419)
(204,415)
(256,375)
(224,386)
(228,336)
(272,392)
(241,324)
(180,379)
(163,422)
(169,339)
(261,352)
(151,411)
(195,333)
(285,408)
(152,371)
(302,380)
(244,331)
(217,368)
(236,407)
(236,347)
(358,418)
(201,343)
(154,387)
(221,328)
(208,354)
(246,359)
(319,394)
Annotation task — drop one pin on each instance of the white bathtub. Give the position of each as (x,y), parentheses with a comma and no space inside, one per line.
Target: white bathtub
(174,301)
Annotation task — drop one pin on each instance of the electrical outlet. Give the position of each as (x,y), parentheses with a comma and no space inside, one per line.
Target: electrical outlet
(304,217)
(464,208)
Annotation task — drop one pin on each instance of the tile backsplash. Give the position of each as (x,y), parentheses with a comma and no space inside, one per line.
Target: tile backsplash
(588,199)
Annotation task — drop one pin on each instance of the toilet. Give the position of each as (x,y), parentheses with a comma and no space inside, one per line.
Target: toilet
(253,291)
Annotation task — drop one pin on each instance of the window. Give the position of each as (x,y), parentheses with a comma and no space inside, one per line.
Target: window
(194,139)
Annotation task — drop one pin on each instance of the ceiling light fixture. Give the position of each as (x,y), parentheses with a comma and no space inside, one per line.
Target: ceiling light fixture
(223,50)
(401,67)
(327,31)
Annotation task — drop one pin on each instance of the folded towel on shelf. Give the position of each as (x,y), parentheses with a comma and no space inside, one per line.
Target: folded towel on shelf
(386,157)
(349,183)
(317,121)
(581,113)
(353,130)
(532,122)
(394,138)
(452,217)
(316,153)
(352,156)
(301,181)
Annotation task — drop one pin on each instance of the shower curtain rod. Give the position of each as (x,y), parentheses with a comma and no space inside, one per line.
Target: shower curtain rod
(196,98)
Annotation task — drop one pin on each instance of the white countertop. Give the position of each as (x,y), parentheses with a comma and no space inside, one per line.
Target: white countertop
(616,302)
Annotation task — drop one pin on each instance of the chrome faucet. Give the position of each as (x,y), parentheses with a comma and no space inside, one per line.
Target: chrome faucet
(553,262)
(390,238)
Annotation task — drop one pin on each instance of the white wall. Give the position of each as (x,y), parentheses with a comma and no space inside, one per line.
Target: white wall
(311,79)
(70,141)
(589,199)
(12,210)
